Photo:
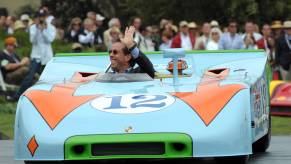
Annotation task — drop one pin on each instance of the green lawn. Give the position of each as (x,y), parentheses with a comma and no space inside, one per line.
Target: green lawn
(280,125)
(6,124)
(7,114)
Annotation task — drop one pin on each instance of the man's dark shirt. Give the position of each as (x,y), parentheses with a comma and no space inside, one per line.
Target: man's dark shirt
(144,65)
(70,38)
(5,59)
(98,36)
(283,52)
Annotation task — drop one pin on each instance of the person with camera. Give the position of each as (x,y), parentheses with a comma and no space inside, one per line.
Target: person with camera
(41,35)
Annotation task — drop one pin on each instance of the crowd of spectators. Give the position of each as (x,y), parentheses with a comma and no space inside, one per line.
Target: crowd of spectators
(92,32)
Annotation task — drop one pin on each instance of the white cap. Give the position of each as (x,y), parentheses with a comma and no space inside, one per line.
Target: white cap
(99,17)
(214,23)
(24,17)
(287,24)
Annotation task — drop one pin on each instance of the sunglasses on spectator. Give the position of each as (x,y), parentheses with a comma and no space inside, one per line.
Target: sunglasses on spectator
(233,26)
(214,33)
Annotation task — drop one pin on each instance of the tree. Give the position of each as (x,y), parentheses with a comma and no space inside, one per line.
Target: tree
(152,11)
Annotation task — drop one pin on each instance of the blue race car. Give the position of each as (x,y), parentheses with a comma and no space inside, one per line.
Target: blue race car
(216,106)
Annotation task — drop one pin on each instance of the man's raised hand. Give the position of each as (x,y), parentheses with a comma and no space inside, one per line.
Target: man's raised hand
(128,37)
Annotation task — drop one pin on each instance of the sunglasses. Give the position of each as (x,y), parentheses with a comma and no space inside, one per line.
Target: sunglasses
(113,51)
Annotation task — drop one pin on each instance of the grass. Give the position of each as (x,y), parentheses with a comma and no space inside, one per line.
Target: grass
(281,125)
(7,124)
(7,115)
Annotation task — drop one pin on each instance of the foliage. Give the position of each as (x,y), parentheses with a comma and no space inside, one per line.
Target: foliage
(27,9)
(153,11)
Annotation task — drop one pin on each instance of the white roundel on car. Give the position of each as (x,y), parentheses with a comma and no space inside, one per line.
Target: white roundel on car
(132,103)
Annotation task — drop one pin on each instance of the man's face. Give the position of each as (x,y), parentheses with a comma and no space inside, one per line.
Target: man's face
(92,16)
(99,23)
(76,26)
(119,60)
(185,30)
(25,23)
(288,31)
(88,26)
(206,28)
(10,48)
(249,27)
(8,21)
(2,20)
(232,28)
(266,30)
(117,24)
(137,23)
(41,19)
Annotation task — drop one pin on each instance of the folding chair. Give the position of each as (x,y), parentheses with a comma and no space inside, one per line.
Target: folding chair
(4,86)
(2,83)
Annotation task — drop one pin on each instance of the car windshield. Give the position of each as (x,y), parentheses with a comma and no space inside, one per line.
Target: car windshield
(122,77)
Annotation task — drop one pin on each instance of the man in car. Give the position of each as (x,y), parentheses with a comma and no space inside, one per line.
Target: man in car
(124,55)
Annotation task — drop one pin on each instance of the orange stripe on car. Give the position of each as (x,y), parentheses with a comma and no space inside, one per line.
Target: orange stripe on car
(210,97)
(56,104)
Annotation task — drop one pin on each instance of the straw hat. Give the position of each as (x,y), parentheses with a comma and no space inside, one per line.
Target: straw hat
(18,25)
(276,24)
(76,45)
(174,28)
(192,25)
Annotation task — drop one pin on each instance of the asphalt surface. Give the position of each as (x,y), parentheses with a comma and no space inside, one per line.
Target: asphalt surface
(278,153)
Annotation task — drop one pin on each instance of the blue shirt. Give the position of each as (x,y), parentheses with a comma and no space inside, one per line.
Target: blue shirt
(228,42)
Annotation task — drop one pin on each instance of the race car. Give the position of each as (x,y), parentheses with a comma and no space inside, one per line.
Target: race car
(217,107)
(280,92)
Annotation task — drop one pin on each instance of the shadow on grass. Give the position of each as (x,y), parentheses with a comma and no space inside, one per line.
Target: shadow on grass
(3,137)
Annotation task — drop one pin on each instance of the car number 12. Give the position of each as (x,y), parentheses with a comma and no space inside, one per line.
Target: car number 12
(132,103)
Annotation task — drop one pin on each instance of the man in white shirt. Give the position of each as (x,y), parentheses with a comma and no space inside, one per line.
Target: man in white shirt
(41,35)
(138,38)
(231,40)
(183,39)
(203,40)
(250,29)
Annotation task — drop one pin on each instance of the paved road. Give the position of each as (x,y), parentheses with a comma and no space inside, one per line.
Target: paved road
(278,153)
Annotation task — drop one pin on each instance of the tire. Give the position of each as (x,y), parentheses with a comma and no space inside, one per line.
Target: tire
(243,159)
(263,143)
